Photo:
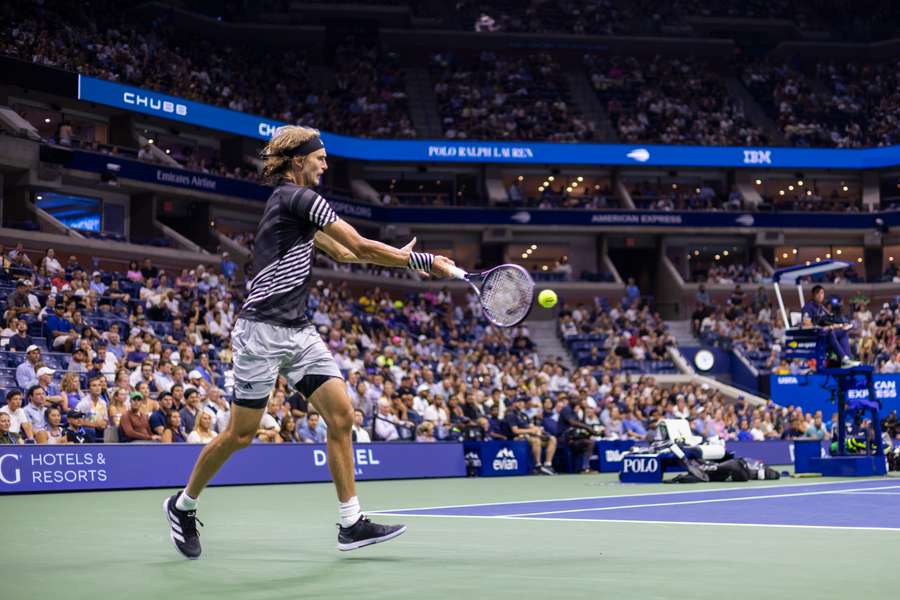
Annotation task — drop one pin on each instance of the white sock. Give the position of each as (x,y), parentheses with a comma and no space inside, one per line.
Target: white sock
(349,512)
(185,502)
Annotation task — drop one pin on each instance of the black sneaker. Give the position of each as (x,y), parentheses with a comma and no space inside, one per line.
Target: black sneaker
(183,528)
(364,532)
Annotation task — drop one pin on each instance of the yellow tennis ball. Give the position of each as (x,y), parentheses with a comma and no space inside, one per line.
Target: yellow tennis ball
(547,298)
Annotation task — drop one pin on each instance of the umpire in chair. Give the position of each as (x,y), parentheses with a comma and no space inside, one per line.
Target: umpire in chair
(826,316)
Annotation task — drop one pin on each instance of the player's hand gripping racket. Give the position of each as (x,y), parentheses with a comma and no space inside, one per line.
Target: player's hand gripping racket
(506,292)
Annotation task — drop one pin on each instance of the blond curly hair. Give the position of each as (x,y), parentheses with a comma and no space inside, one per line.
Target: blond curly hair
(275,161)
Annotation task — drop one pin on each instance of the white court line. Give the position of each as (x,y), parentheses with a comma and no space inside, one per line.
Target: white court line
(852,493)
(704,501)
(703,491)
(641,522)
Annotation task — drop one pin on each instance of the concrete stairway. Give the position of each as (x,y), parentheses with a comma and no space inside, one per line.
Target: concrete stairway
(682,332)
(582,94)
(752,110)
(547,342)
(423,110)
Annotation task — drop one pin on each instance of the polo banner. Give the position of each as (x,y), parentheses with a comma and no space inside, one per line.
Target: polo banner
(498,458)
(773,452)
(181,110)
(814,392)
(67,468)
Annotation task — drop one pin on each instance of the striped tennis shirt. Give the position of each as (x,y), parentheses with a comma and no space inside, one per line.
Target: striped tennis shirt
(283,255)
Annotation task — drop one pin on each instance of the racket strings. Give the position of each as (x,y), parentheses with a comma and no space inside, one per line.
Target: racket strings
(506,296)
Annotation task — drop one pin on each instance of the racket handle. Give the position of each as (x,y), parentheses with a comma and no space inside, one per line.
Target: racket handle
(457,273)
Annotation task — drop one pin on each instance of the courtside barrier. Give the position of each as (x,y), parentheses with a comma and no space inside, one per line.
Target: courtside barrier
(772,452)
(127,466)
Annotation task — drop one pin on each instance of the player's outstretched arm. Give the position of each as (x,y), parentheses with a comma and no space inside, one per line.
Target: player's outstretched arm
(378,253)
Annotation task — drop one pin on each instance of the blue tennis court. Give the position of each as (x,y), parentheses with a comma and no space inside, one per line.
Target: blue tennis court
(865,504)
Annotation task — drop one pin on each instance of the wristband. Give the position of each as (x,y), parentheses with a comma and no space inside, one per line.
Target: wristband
(421,261)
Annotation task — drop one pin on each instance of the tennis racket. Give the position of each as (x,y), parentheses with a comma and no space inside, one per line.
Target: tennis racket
(506,292)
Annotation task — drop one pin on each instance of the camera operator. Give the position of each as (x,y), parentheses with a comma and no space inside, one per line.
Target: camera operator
(576,434)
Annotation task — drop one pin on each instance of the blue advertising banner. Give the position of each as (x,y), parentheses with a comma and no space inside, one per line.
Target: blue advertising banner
(184,179)
(168,176)
(473,151)
(498,458)
(807,392)
(122,466)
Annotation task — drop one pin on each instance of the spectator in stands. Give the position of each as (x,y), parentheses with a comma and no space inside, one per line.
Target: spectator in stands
(172,432)
(312,430)
(817,428)
(55,432)
(359,432)
(7,436)
(270,424)
(76,432)
(191,409)
(288,433)
(50,266)
(62,332)
(94,408)
(19,258)
(158,418)
(385,422)
(21,340)
(19,423)
(135,425)
(203,429)
(26,373)
(52,392)
(18,304)
(34,410)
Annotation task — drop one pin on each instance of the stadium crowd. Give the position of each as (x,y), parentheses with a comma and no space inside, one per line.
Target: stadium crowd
(497,96)
(143,356)
(669,100)
(368,98)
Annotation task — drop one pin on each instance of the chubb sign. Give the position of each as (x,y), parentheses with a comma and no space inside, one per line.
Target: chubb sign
(153,103)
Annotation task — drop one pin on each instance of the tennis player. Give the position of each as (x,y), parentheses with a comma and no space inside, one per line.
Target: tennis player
(272,334)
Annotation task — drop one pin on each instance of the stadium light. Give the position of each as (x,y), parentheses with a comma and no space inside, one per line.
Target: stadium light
(534,246)
(47,120)
(540,188)
(800,182)
(524,255)
(808,263)
(781,192)
(151,141)
(550,178)
(784,255)
(520,178)
(891,258)
(859,260)
(828,255)
(791,188)
(725,253)
(794,251)
(674,186)
(544,268)
(759,182)
(580,178)
(845,188)
(809,192)
(838,251)
(718,257)
(696,253)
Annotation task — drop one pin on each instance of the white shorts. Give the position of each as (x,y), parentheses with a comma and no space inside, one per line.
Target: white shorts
(262,351)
